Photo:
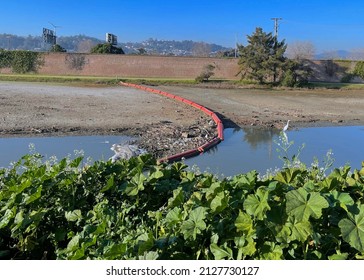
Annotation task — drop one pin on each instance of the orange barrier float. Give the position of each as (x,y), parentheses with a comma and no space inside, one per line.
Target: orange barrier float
(204,147)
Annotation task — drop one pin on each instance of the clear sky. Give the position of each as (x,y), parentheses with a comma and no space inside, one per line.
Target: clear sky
(328,24)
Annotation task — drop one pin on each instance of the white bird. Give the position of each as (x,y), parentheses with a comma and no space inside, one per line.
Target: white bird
(286,126)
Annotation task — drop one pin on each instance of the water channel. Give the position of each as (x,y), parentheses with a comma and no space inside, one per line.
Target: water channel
(242,150)
(249,149)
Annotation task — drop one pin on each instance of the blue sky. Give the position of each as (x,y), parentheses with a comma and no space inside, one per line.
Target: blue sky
(328,24)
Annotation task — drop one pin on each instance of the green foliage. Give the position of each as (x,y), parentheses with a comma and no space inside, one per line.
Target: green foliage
(5,58)
(347,78)
(263,58)
(296,73)
(21,61)
(137,209)
(359,69)
(57,48)
(206,74)
(107,48)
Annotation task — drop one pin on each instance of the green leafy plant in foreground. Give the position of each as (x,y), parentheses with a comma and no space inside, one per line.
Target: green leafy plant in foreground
(137,209)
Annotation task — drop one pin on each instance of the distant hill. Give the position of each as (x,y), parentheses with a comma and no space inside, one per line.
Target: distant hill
(83,43)
(341,54)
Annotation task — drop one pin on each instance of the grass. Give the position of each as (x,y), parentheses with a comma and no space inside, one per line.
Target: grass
(74,80)
(92,80)
(327,85)
(97,81)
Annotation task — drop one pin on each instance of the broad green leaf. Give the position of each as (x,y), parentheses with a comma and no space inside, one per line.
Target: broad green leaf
(221,253)
(213,189)
(283,234)
(109,184)
(145,242)
(287,175)
(342,256)
(245,245)
(18,220)
(195,223)
(177,199)
(150,255)
(34,196)
(73,216)
(20,188)
(257,204)
(302,205)
(343,199)
(244,223)
(135,185)
(173,217)
(300,230)
(246,181)
(115,250)
(73,245)
(352,229)
(271,251)
(78,254)
(157,174)
(219,203)
(9,214)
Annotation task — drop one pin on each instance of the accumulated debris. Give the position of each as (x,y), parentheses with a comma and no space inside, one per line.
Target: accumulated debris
(166,138)
(126,151)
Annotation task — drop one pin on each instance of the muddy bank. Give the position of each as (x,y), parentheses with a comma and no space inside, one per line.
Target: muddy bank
(166,127)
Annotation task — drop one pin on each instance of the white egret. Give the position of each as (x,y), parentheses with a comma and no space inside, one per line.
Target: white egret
(286,126)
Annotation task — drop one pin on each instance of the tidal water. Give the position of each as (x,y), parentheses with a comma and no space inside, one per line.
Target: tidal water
(94,147)
(242,150)
(249,149)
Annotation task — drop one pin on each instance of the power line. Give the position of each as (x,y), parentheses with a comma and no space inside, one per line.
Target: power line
(276,25)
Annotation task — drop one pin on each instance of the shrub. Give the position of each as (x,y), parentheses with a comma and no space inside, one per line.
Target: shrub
(107,48)
(359,69)
(21,61)
(57,48)
(206,74)
(347,78)
(289,79)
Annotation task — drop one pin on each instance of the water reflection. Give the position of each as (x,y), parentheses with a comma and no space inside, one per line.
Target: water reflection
(256,149)
(256,137)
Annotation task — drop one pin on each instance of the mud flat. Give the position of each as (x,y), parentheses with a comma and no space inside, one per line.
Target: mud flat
(166,127)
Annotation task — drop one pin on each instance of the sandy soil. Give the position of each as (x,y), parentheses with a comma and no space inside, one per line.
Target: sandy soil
(42,109)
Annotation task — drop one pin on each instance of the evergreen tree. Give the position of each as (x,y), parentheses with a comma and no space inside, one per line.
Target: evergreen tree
(263,58)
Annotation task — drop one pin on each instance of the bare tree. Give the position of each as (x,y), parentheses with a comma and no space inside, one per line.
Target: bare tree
(300,50)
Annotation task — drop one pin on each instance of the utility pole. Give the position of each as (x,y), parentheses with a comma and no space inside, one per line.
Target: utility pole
(276,24)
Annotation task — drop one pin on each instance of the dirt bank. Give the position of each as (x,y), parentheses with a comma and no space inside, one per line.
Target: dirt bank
(272,108)
(166,126)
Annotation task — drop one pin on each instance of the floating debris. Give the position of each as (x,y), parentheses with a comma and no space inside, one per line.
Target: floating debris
(125,151)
